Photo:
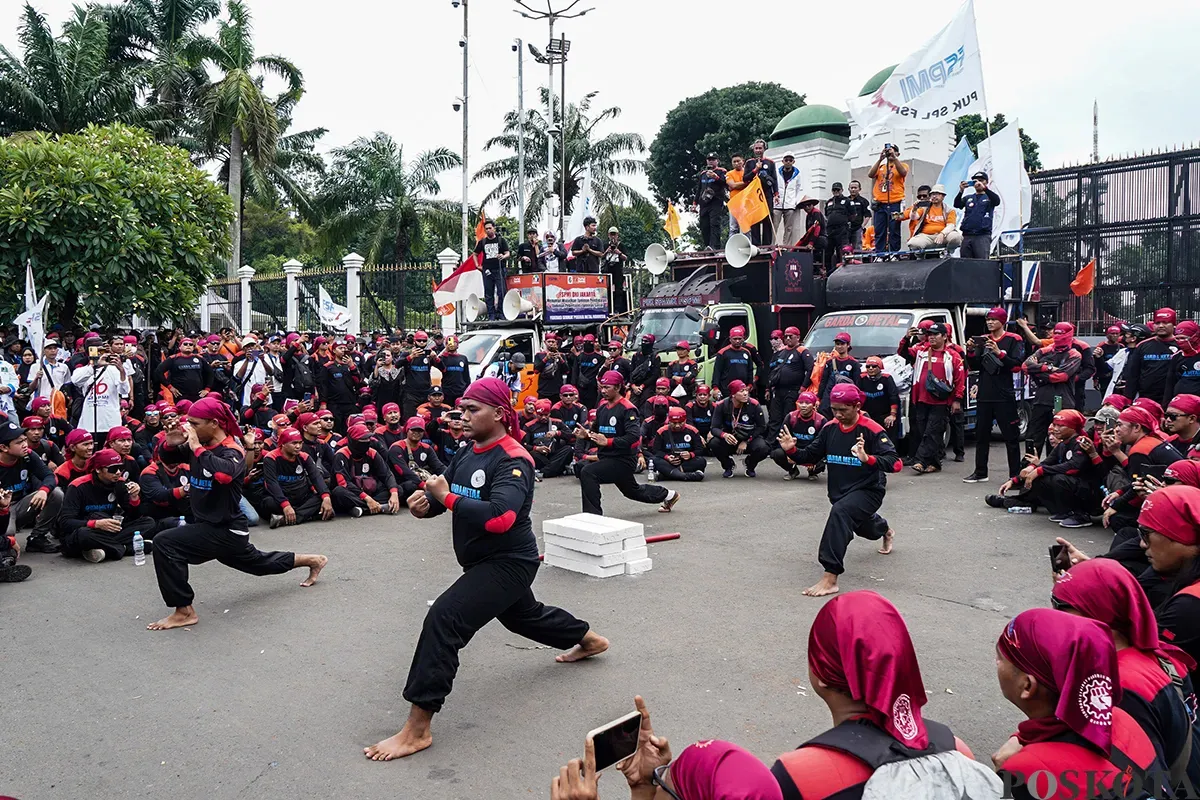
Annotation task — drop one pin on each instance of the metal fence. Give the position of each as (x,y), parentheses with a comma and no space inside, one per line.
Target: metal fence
(309,285)
(225,304)
(1139,218)
(268,303)
(398,296)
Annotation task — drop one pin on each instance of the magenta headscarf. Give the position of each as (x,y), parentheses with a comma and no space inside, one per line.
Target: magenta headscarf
(495,393)
(1103,590)
(1073,657)
(213,409)
(717,770)
(860,645)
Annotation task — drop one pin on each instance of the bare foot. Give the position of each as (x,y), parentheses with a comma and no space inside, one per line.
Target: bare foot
(824,587)
(886,549)
(398,746)
(592,645)
(315,565)
(179,618)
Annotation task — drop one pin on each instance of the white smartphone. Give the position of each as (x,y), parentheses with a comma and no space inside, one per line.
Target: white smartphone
(617,740)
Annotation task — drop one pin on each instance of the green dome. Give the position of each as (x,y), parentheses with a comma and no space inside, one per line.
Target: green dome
(877,80)
(812,119)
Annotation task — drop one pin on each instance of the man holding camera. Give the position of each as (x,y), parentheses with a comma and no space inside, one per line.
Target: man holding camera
(710,202)
(103,382)
(613,264)
(978,209)
(494,252)
(587,248)
(888,174)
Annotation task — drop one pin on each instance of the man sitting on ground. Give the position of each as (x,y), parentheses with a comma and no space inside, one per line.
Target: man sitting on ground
(544,441)
(414,451)
(296,492)
(738,425)
(364,473)
(28,494)
(1056,483)
(677,449)
(102,511)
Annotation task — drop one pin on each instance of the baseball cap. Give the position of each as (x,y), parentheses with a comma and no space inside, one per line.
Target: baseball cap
(979,176)
(936,328)
(842,337)
(711,157)
(614,229)
(837,185)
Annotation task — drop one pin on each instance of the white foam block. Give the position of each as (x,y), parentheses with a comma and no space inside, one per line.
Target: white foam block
(594,570)
(611,559)
(641,565)
(593,528)
(635,542)
(580,546)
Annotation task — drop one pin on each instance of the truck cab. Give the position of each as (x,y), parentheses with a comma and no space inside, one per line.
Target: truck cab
(489,349)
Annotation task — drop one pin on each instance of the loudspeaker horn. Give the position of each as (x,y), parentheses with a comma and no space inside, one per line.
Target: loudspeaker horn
(739,250)
(658,258)
(515,305)
(473,307)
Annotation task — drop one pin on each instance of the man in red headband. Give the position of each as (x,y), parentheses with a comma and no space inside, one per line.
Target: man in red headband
(859,455)
(700,412)
(677,449)
(29,495)
(1183,377)
(1182,421)
(645,370)
(682,372)
(545,441)
(585,371)
(418,376)
(617,436)
(790,373)
(184,375)
(617,361)
(455,369)
(337,381)
(803,424)
(1059,483)
(1135,444)
(1149,364)
(489,492)
(738,428)
(838,366)
(1103,355)
(365,475)
(735,362)
(1052,370)
(102,511)
(882,402)
(997,357)
(1169,525)
(221,531)
(414,449)
(569,412)
(552,368)
(295,490)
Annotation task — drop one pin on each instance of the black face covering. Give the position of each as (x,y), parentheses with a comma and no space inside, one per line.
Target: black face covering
(647,347)
(359,448)
(588,347)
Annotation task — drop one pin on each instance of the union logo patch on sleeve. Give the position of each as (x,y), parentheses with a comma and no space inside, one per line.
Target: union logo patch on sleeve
(516,473)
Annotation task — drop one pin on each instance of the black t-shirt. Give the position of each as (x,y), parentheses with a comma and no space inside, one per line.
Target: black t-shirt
(492,249)
(860,209)
(613,262)
(712,190)
(525,250)
(765,170)
(838,211)
(586,262)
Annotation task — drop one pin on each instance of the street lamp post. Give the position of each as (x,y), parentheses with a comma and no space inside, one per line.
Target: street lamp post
(557,51)
(520,136)
(465,100)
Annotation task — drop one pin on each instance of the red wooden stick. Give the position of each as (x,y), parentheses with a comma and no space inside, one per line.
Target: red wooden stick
(662,537)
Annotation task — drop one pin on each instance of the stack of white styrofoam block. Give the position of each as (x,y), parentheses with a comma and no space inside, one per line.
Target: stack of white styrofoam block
(595,545)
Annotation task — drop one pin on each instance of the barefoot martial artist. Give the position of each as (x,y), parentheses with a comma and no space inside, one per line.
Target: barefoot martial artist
(488,488)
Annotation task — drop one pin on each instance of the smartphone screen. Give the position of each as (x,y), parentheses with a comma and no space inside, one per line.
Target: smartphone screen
(1060,560)
(307,396)
(93,352)
(617,740)
(1155,471)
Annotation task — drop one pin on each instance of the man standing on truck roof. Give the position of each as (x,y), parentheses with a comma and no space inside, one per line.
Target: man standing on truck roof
(734,362)
(710,201)
(494,252)
(978,208)
(791,370)
(860,212)
(764,169)
(837,214)
(998,357)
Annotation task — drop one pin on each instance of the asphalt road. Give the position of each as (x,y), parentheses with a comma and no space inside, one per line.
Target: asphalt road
(277,690)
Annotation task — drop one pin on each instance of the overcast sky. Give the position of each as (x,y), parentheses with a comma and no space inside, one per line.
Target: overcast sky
(395,65)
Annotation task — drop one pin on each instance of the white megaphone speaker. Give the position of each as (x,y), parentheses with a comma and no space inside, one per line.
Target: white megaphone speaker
(658,258)
(739,250)
(515,305)
(473,307)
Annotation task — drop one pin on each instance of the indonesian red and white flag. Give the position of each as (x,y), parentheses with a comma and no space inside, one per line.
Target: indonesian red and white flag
(465,281)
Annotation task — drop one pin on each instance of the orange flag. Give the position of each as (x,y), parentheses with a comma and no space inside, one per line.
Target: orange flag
(480,233)
(1085,280)
(750,206)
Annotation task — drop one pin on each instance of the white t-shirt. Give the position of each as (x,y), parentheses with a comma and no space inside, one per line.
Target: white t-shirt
(101,406)
(8,377)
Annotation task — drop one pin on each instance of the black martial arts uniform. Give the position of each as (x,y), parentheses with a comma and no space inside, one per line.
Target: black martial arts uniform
(685,443)
(883,398)
(700,417)
(790,371)
(448,444)
(836,370)
(1059,485)
(622,424)
(996,399)
(733,364)
(855,489)
(491,492)
(422,456)
(748,424)
(804,431)
(1183,377)
(683,373)
(220,531)
(296,483)
(548,433)
(87,502)
(1052,372)
(187,375)
(360,475)
(418,380)
(166,499)
(24,478)
(456,375)
(338,384)
(553,371)
(584,375)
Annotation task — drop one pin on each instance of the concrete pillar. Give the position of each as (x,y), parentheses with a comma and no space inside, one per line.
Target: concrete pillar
(353,263)
(244,275)
(204,307)
(449,261)
(291,272)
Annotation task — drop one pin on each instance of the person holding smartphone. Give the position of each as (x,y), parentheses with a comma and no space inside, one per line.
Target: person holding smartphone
(1057,483)
(102,511)
(997,357)
(488,489)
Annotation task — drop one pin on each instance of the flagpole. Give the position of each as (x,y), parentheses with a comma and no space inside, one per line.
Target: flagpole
(987,117)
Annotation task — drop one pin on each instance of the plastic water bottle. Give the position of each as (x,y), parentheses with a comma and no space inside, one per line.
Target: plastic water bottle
(182,521)
(1020,510)
(651,473)
(139,550)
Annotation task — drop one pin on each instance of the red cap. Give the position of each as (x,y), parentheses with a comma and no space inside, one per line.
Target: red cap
(875,361)
(682,345)
(421,336)
(842,337)
(1113,329)
(662,383)
(359,433)
(119,432)
(105,458)
(33,422)
(325,413)
(776,334)
(289,436)
(615,343)
(281,420)
(415,424)
(1165,315)
(589,338)
(924,324)
(704,389)
(676,414)
(998,313)
(1186,404)
(736,386)
(551,336)
(306,419)
(737,331)
(388,408)
(612,378)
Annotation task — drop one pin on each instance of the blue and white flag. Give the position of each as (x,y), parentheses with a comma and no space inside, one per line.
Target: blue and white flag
(958,166)
(332,315)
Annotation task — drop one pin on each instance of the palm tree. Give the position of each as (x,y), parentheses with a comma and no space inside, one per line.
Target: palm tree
(63,84)
(372,198)
(236,111)
(605,157)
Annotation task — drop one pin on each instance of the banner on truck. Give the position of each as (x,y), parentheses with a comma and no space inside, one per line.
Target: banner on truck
(575,298)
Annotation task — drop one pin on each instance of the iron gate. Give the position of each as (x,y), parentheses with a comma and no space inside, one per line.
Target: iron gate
(398,296)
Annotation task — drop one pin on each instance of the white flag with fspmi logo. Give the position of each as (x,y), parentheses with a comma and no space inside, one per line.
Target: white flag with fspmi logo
(940,82)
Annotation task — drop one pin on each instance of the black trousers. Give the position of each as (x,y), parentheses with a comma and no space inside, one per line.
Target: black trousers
(837,240)
(914,431)
(341,412)
(344,499)
(976,246)
(619,472)
(1040,418)
(496,589)
(762,233)
(309,509)
(757,450)
(1062,494)
(852,515)
(553,464)
(115,545)
(21,515)
(1003,412)
(410,403)
(712,220)
(493,292)
(787,465)
(958,432)
(783,402)
(201,542)
(931,421)
(690,470)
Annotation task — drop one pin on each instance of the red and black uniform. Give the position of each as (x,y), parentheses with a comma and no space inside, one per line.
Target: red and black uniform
(449,444)
(1148,368)
(293,482)
(491,493)
(585,373)
(146,434)
(163,489)
(883,398)
(1183,377)
(547,433)
(996,399)
(700,417)
(733,364)
(748,424)
(56,430)
(259,414)
(187,375)
(1068,755)
(1052,372)
(790,371)
(68,472)
(553,370)
(1061,485)
(422,456)
(48,452)
(417,381)
(338,384)
(24,478)
(87,502)
(836,370)
(456,375)
(939,379)
(361,475)
(1148,450)
(683,372)
(685,443)
(855,489)
(571,417)
(1179,621)
(322,453)
(389,434)
(1162,704)
(621,423)
(804,430)
(220,532)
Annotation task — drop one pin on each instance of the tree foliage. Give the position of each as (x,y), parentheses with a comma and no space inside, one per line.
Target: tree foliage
(972,126)
(722,121)
(271,236)
(112,223)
